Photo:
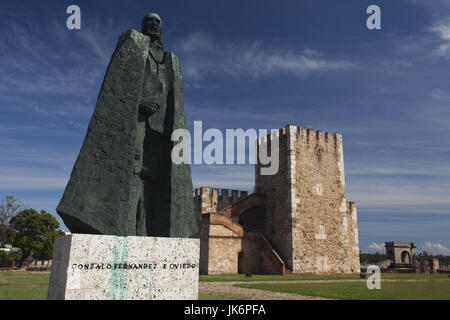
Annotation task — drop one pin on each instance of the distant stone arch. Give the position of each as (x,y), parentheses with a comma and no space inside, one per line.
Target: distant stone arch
(401,253)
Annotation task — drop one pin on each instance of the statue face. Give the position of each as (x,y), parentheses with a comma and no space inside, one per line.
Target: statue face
(152,26)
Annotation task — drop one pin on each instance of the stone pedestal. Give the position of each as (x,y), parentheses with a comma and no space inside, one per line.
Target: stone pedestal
(100,267)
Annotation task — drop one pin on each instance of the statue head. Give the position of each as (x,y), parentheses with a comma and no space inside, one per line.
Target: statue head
(152,26)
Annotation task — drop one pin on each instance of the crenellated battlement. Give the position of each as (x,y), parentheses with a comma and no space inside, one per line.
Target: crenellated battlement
(399,244)
(311,137)
(351,205)
(212,200)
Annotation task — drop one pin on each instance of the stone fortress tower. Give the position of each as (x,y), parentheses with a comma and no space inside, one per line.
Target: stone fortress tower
(297,221)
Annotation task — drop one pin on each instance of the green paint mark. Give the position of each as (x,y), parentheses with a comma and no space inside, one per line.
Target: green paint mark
(119,276)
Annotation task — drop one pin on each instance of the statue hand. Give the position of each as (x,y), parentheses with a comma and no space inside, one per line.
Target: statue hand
(149,108)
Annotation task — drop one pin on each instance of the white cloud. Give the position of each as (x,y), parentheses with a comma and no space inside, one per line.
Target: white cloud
(238,177)
(31,182)
(98,40)
(55,60)
(442,30)
(233,113)
(378,247)
(30,168)
(436,5)
(440,94)
(436,248)
(395,194)
(202,55)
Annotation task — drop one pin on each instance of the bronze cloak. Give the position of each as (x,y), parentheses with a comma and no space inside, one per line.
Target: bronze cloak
(99,193)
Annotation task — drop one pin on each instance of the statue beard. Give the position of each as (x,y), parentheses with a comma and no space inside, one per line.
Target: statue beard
(155,35)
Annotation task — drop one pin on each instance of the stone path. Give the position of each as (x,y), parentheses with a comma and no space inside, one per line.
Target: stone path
(228,289)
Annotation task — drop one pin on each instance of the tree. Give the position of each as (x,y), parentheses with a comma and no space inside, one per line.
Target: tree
(5,259)
(368,258)
(8,209)
(34,232)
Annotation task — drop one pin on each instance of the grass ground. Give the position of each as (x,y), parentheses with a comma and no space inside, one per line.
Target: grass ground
(23,285)
(261,277)
(422,289)
(33,286)
(18,285)
(264,277)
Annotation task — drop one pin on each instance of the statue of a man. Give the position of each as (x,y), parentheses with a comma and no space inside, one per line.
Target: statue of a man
(124,182)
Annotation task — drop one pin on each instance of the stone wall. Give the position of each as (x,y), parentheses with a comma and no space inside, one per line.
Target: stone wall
(276,188)
(258,256)
(427,265)
(213,199)
(220,244)
(225,248)
(309,221)
(250,258)
(352,235)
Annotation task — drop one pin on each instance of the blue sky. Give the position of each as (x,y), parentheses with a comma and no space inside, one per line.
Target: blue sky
(250,64)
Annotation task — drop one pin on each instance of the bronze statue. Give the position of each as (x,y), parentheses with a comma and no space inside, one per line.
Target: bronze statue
(124,182)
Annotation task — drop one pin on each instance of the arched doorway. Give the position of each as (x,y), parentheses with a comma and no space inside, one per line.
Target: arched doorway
(241,262)
(252,220)
(406,257)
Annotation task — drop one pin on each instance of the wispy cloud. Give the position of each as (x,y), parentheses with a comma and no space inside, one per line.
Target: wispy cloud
(429,247)
(31,181)
(400,193)
(203,55)
(436,248)
(31,67)
(377,247)
(442,30)
(51,76)
(34,158)
(239,177)
(72,63)
(99,39)
(438,6)
(235,115)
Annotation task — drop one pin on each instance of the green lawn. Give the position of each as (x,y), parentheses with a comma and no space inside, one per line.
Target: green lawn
(265,277)
(433,288)
(260,277)
(23,285)
(33,286)
(19,285)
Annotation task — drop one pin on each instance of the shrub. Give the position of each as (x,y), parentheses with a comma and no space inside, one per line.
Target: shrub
(5,259)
